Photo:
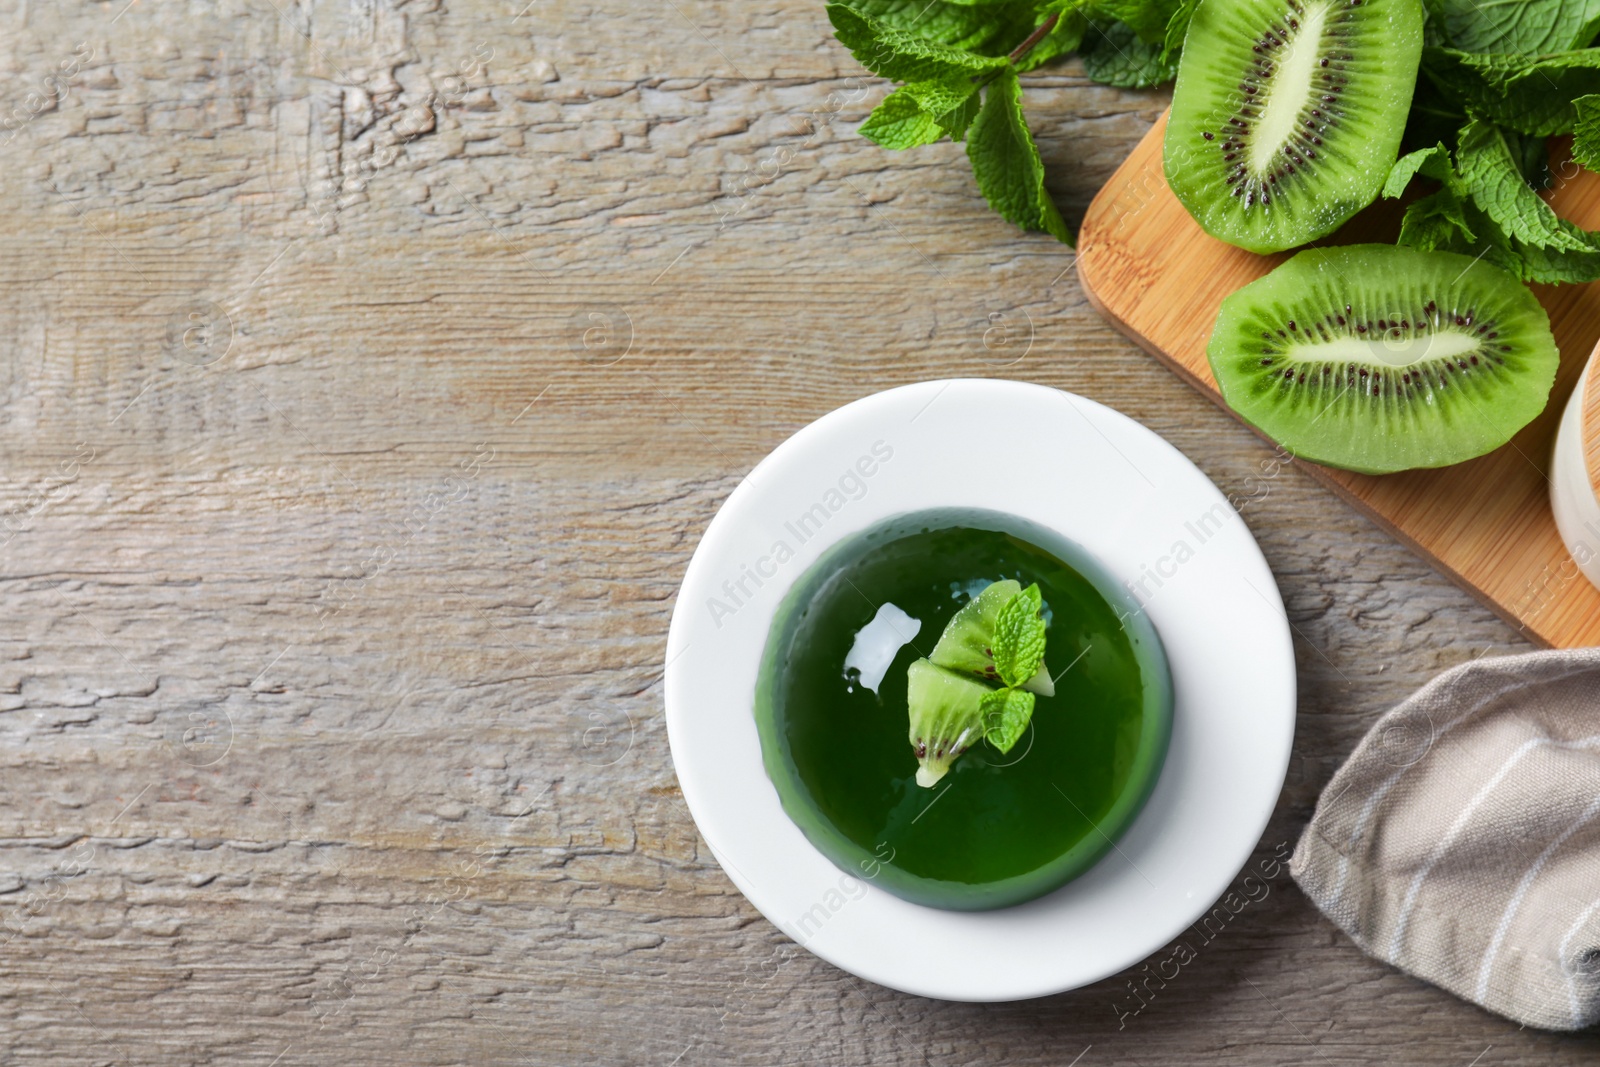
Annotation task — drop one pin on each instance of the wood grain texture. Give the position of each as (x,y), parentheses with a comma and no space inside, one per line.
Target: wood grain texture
(1591,423)
(1486,523)
(371,370)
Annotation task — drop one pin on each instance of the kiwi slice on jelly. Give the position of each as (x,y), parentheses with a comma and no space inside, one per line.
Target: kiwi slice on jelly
(1380,358)
(967,643)
(946,719)
(1287,114)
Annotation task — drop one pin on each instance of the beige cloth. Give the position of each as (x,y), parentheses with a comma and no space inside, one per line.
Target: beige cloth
(1461,841)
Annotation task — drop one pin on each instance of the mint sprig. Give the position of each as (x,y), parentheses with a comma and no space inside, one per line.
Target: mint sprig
(1018,644)
(1019,637)
(957,63)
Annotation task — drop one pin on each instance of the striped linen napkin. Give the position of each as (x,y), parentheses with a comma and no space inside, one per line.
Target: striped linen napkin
(1461,841)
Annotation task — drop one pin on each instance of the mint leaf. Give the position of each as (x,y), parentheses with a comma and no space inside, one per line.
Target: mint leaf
(1113,54)
(989,29)
(1448,221)
(939,96)
(1586,133)
(1006,162)
(1530,94)
(1429,162)
(904,120)
(1500,218)
(1437,223)
(900,122)
(1532,153)
(1019,637)
(904,56)
(1492,246)
(1562,265)
(958,119)
(1177,30)
(1492,176)
(1005,714)
(1065,37)
(1148,19)
(1529,27)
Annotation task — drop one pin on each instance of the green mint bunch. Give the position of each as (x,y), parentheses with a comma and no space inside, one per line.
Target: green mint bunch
(957,63)
(1498,80)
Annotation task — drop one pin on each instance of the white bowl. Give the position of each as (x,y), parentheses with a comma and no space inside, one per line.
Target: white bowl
(1572,494)
(1153,521)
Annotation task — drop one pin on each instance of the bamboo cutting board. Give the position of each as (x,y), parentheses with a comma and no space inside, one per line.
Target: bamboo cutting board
(1150,269)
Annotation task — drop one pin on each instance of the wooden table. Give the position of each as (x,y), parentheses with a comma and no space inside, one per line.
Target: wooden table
(372,370)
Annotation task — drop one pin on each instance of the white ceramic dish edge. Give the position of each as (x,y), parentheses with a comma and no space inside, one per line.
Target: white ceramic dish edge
(1572,495)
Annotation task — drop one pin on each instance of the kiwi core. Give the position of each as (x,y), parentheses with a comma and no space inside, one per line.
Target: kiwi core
(1396,349)
(1291,90)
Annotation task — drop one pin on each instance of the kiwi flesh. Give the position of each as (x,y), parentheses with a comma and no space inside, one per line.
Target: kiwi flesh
(946,719)
(965,643)
(967,640)
(1287,114)
(1381,358)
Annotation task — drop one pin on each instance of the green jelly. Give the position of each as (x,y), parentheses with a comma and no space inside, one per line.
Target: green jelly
(996,830)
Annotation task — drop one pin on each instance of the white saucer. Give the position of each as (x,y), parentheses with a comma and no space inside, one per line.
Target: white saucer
(1152,519)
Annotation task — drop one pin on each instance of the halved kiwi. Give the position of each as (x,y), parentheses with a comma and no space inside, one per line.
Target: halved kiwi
(1288,113)
(1381,358)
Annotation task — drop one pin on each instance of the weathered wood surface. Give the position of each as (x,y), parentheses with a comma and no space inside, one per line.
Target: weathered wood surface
(337,568)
